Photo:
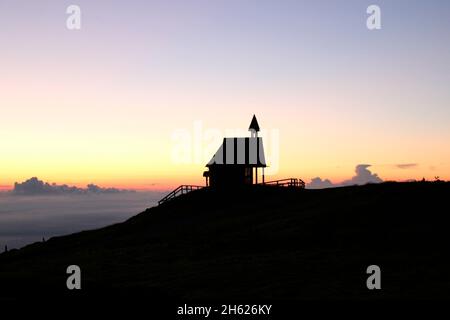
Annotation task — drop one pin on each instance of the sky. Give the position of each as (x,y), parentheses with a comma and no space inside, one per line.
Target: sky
(106,104)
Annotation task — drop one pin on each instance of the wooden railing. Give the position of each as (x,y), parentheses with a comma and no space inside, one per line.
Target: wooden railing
(183,189)
(290,182)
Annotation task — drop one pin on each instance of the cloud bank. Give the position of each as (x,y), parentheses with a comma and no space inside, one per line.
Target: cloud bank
(34,186)
(362,176)
(27,219)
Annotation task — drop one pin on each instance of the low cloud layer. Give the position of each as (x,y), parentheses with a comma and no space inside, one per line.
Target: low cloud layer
(34,186)
(27,219)
(362,176)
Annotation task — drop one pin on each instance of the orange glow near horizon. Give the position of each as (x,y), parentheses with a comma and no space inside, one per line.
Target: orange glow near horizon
(138,157)
(160,176)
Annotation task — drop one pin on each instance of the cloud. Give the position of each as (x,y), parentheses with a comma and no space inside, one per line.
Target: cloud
(318,183)
(34,186)
(406,165)
(362,176)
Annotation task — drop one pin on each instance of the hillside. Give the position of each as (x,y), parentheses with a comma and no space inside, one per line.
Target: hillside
(256,243)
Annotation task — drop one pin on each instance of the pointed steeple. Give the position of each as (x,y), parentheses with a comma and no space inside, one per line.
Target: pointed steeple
(254,126)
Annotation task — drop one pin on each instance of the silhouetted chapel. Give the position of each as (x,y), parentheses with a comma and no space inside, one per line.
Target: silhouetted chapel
(237,160)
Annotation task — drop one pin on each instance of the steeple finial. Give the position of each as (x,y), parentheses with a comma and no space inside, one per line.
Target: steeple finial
(254,126)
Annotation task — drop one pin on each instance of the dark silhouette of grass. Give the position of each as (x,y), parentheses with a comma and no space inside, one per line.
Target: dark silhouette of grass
(254,243)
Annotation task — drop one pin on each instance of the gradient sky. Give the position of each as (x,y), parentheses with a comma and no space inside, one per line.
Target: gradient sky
(101,104)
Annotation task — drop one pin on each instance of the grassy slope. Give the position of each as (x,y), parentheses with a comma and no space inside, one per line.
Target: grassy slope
(257,243)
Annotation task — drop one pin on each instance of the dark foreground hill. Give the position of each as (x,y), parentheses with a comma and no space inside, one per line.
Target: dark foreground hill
(256,243)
